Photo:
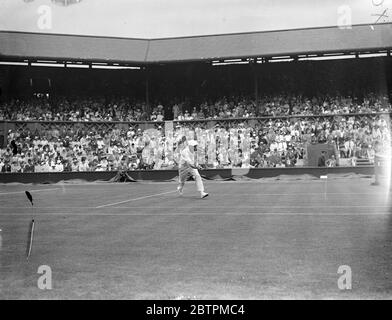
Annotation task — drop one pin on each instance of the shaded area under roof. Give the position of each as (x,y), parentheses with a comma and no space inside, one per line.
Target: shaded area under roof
(14,45)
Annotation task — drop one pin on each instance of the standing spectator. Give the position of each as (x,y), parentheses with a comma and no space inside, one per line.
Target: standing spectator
(176,111)
(160,116)
(322,159)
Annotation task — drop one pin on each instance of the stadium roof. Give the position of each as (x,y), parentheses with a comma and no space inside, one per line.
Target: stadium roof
(360,38)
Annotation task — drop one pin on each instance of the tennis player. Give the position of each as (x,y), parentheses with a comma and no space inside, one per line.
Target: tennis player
(187,166)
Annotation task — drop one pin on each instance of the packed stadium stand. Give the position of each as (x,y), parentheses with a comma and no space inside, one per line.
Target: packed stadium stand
(258,112)
(357,131)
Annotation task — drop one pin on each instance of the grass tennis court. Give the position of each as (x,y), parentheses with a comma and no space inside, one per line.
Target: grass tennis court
(248,240)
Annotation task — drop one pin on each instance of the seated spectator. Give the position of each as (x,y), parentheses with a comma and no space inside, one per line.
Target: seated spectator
(331,162)
(5,167)
(29,167)
(83,166)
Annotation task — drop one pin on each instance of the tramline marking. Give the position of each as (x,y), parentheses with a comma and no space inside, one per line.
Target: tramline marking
(135,199)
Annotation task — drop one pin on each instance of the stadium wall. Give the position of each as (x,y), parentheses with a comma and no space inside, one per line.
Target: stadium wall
(171,175)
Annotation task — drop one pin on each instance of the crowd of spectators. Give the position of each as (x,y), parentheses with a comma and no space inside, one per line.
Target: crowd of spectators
(43,108)
(275,142)
(278,141)
(283,105)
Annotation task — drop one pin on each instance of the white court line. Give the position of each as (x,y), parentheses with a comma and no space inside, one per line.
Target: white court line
(202,214)
(36,190)
(238,208)
(140,198)
(304,194)
(247,207)
(247,193)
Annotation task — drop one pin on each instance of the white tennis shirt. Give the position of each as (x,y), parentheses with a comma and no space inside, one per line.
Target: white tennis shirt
(186,158)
